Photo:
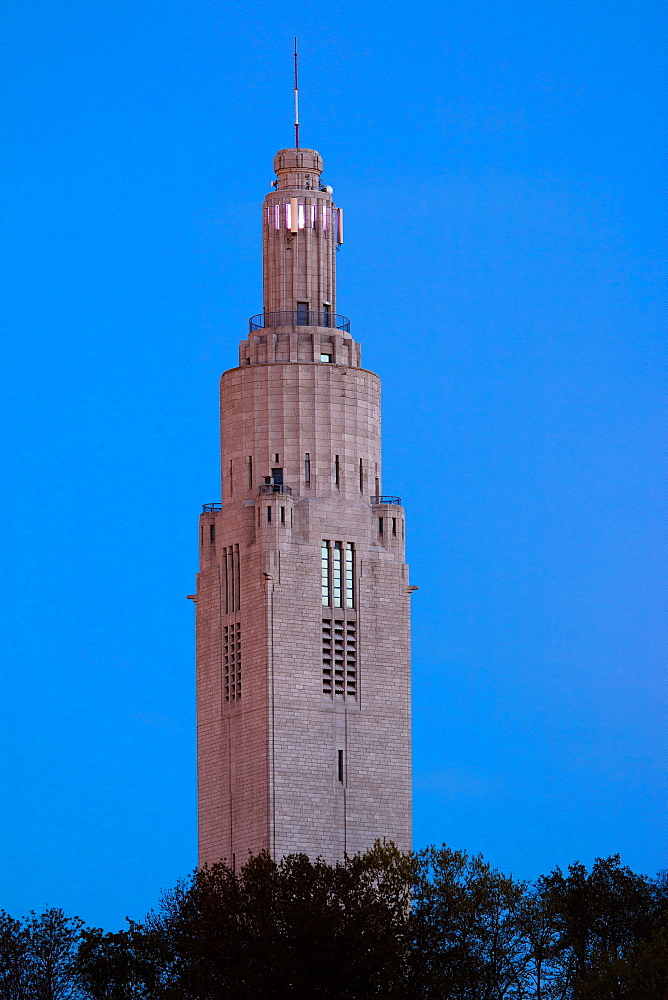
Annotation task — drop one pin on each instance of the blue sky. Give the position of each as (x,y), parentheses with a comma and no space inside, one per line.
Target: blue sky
(502,169)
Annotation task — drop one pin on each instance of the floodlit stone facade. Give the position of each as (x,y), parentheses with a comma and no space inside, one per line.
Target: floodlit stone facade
(303,619)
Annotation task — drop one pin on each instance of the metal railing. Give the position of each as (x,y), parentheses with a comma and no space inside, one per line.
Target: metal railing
(393,500)
(299,317)
(207,508)
(276,488)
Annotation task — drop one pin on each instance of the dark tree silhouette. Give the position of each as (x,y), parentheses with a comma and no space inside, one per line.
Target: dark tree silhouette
(435,925)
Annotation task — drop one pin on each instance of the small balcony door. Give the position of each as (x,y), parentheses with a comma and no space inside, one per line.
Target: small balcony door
(302,314)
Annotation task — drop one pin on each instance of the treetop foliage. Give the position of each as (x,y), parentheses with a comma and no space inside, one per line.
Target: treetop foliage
(433,925)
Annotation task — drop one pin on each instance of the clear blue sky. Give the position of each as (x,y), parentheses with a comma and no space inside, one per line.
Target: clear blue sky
(502,169)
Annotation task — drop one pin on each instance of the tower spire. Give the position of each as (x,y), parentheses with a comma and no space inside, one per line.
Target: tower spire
(296,99)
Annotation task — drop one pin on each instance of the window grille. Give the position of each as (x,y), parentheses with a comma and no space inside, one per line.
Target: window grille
(232,662)
(339,658)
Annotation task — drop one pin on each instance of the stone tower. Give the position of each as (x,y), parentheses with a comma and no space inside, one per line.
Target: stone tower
(303,658)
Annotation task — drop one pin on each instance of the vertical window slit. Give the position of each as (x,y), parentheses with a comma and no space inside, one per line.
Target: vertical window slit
(350,576)
(237,578)
(325,563)
(336,575)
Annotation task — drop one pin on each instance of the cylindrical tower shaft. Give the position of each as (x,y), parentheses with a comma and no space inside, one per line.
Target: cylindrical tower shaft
(300,232)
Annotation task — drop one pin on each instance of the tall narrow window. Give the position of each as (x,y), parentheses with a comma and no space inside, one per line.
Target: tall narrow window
(231,581)
(250,473)
(282,515)
(325,552)
(361,476)
(380,526)
(302,314)
(268,515)
(277,476)
(307,468)
(231,481)
(341,766)
(377,486)
(336,575)
(326,314)
(212,533)
(237,578)
(337,471)
(350,576)
(394,527)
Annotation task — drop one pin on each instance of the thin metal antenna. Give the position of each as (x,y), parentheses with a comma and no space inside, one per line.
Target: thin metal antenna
(296,101)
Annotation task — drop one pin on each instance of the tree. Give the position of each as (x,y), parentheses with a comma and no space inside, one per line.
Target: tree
(600,919)
(14,964)
(427,926)
(133,964)
(293,929)
(38,956)
(468,934)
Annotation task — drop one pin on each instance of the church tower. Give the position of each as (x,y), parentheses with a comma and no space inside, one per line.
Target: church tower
(303,618)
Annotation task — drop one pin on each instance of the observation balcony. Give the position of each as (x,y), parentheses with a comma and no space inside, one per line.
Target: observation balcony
(276,488)
(208,508)
(392,500)
(299,317)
